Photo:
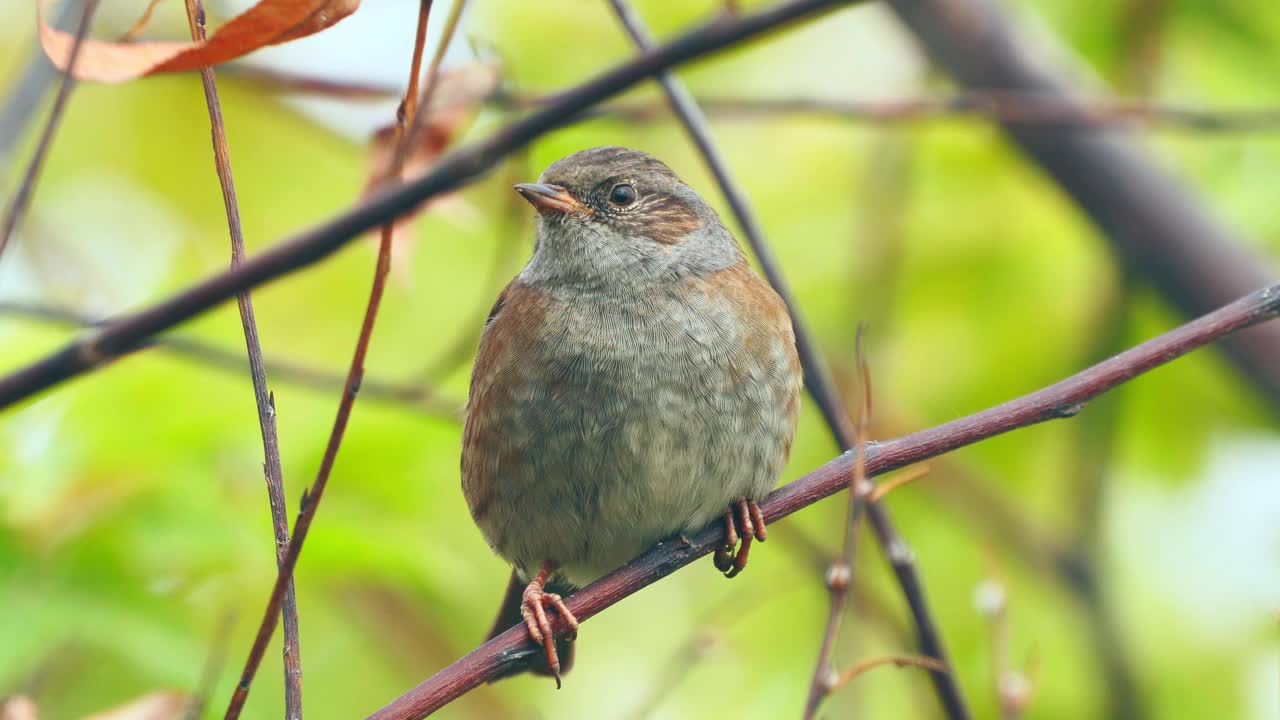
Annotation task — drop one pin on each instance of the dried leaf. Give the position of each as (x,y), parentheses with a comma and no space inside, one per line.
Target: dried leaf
(269,22)
(158,705)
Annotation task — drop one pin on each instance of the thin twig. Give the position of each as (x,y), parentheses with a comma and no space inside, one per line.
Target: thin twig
(839,576)
(144,20)
(459,167)
(511,649)
(816,377)
(413,394)
(28,90)
(1022,108)
(311,499)
(410,134)
(899,660)
(263,398)
(908,476)
(17,205)
(213,665)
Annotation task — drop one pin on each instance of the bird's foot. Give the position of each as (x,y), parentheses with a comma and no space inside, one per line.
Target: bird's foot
(535,603)
(743,522)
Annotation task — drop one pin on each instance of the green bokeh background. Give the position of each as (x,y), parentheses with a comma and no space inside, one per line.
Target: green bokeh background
(132,509)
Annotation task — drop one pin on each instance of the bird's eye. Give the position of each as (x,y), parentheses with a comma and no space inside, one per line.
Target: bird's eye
(622,195)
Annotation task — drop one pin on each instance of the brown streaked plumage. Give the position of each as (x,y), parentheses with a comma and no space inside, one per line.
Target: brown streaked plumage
(635,381)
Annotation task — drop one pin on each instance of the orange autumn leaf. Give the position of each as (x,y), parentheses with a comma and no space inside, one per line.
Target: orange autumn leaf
(269,22)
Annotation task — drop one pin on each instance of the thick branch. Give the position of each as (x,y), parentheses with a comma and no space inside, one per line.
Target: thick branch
(1063,399)
(1153,221)
(465,164)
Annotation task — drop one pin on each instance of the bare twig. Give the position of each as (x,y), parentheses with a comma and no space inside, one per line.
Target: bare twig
(1015,108)
(1022,108)
(462,165)
(29,88)
(413,394)
(901,661)
(903,478)
(1151,219)
(263,398)
(213,664)
(840,574)
(417,120)
(144,20)
(816,377)
(510,650)
(311,500)
(17,204)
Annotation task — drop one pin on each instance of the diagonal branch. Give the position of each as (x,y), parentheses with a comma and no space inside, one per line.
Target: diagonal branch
(418,395)
(465,164)
(816,376)
(1060,400)
(265,400)
(17,205)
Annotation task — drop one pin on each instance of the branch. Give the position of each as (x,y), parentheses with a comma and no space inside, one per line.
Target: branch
(28,90)
(1023,108)
(265,401)
(281,590)
(816,378)
(509,650)
(1151,219)
(840,575)
(18,203)
(465,164)
(1012,107)
(418,395)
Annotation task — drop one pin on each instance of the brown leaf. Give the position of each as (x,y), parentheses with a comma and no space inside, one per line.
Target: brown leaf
(269,22)
(158,705)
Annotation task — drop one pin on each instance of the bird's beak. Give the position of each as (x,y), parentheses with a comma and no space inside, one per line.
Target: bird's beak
(551,199)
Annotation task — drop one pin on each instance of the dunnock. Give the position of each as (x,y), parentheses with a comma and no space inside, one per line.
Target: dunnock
(634,382)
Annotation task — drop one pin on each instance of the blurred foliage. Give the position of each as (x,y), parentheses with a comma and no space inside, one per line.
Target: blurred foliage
(132,512)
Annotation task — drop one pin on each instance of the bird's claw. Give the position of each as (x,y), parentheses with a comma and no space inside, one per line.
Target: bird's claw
(743,522)
(533,609)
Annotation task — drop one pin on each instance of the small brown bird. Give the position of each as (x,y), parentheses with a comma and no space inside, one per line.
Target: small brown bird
(634,382)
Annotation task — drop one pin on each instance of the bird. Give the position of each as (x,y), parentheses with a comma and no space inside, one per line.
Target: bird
(635,382)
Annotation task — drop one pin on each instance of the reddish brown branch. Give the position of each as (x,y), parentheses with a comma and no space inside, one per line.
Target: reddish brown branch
(459,167)
(17,205)
(265,401)
(509,650)
(311,500)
